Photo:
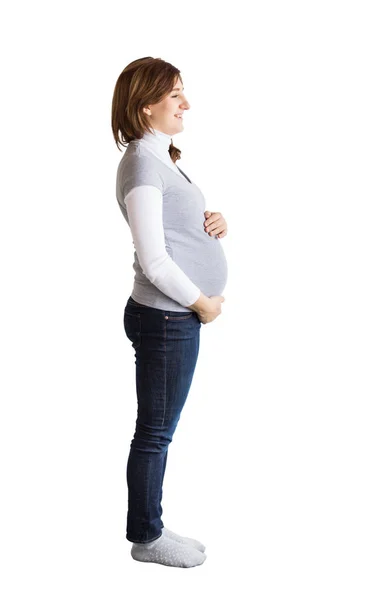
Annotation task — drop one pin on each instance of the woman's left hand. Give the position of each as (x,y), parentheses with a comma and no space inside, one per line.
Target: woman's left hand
(215,224)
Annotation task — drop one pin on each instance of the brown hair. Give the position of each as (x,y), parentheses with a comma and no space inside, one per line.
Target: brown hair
(143,81)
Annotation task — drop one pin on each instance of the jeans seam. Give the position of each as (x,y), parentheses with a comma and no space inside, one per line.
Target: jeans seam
(165,372)
(147,489)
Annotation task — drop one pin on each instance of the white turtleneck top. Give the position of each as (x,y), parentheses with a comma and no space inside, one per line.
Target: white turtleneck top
(158,143)
(175,259)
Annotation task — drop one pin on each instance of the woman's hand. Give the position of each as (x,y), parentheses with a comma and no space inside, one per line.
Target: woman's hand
(215,224)
(212,311)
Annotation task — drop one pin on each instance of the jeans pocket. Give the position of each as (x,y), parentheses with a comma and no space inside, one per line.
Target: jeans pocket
(132,327)
(180,317)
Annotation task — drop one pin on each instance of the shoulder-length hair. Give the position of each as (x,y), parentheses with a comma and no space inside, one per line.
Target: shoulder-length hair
(144,81)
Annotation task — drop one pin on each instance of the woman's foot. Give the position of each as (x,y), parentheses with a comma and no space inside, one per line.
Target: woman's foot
(168,552)
(183,540)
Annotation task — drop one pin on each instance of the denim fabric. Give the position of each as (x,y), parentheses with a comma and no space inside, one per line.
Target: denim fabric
(166,345)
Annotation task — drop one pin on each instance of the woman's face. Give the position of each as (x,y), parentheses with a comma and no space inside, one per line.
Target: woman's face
(162,117)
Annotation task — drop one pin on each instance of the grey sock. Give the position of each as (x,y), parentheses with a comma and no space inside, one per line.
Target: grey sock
(167,552)
(183,540)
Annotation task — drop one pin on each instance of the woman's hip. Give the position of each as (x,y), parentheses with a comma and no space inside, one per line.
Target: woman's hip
(175,334)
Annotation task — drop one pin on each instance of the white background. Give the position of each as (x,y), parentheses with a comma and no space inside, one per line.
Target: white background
(271,464)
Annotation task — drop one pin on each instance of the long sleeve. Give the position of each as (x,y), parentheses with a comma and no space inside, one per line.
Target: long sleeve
(144,205)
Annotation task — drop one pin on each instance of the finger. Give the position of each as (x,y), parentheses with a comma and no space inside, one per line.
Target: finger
(216,222)
(220,223)
(211,220)
(216,231)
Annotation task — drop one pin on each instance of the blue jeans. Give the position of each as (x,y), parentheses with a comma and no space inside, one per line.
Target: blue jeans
(166,345)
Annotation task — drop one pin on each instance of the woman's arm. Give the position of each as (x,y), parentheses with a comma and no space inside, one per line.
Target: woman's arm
(144,205)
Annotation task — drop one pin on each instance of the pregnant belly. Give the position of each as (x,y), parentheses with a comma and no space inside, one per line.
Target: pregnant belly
(205,264)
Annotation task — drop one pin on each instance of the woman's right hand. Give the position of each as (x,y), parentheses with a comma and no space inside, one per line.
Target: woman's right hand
(212,310)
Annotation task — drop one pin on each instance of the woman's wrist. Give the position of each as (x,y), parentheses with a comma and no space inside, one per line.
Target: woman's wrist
(201,304)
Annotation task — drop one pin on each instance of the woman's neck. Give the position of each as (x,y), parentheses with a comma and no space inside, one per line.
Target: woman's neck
(158,143)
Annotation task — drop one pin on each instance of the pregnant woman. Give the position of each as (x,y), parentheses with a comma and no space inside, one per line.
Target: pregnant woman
(180,273)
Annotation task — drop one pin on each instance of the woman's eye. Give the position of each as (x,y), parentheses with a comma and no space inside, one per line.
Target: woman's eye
(175,96)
